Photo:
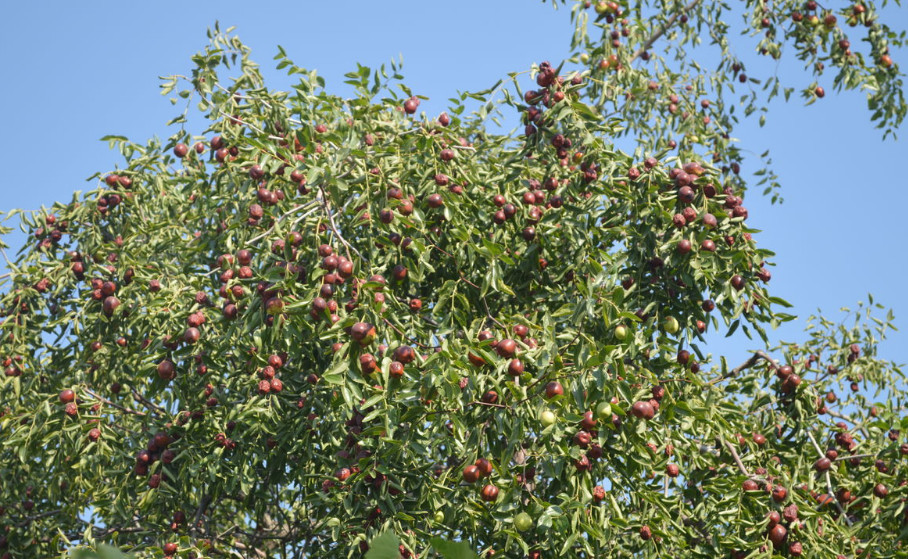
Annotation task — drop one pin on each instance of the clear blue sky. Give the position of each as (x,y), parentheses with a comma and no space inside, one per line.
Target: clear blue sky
(78,71)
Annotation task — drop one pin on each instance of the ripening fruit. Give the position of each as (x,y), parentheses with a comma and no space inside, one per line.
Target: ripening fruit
(547,418)
(671,325)
(363,333)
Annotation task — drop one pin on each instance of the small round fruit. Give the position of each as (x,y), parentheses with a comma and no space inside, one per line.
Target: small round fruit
(548,418)
(439,517)
(506,348)
(471,474)
(523,522)
(489,493)
(180,150)
(67,396)
(671,325)
(363,333)
(643,410)
(621,332)
(604,410)
(779,493)
(485,467)
(777,535)
(553,389)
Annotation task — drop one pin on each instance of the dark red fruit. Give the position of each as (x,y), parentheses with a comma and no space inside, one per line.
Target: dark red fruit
(553,389)
(404,354)
(485,467)
(777,535)
(471,474)
(167,370)
(506,348)
(489,493)
(642,410)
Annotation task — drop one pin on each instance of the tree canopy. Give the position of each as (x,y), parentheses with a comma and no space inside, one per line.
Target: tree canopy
(318,326)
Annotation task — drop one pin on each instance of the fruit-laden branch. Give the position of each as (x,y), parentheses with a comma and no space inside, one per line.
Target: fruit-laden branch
(859,427)
(662,29)
(829,480)
(281,218)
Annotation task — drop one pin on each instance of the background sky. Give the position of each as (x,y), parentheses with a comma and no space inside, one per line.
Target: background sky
(78,71)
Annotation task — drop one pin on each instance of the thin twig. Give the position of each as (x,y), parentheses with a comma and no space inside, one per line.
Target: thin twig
(158,410)
(850,456)
(408,338)
(757,356)
(662,29)
(333,226)
(281,217)
(29,519)
(115,405)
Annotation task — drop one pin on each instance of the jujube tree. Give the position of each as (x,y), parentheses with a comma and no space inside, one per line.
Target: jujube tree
(327,327)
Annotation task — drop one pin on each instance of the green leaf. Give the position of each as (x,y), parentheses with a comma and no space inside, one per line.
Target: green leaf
(110,552)
(385,546)
(453,550)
